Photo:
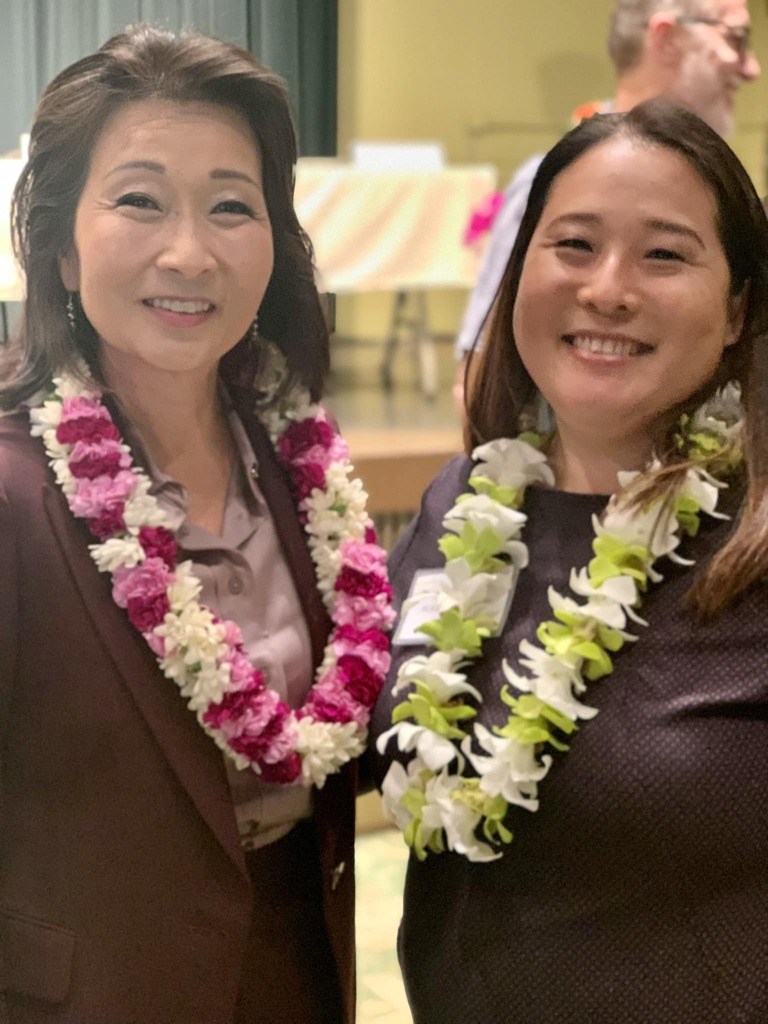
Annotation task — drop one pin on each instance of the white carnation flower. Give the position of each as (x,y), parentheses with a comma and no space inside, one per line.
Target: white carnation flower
(44,418)
(325,746)
(117,553)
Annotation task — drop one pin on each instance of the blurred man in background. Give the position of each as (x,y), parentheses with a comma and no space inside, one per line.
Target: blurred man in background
(694,52)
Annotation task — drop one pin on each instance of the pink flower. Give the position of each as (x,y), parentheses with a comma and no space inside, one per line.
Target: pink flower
(159,543)
(143,592)
(156,643)
(339,451)
(362,683)
(363,612)
(269,744)
(370,535)
(93,497)
(82,419)
(241,671)
(90,459)
(361,584)
(109,523)
(300,437)
(364,557)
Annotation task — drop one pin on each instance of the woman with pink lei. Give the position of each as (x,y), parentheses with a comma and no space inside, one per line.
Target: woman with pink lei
(574,734)
(192,605)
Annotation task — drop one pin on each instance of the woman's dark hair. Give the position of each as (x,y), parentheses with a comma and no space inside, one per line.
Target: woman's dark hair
(502,388)
(144,63)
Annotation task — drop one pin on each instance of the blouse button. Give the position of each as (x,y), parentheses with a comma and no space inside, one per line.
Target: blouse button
(236,584)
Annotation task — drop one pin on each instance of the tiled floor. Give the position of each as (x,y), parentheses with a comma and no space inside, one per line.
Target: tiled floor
(381,859)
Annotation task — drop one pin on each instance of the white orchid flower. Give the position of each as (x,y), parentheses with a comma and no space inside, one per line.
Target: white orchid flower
(600,609)
(437,671)
(510,770)
(485,513)
(434,751)
(479,595)
(553,680)
(512,463)
(459,821)
(621,590)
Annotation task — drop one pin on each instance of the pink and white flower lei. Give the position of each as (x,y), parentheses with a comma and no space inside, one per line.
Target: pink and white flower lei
(202,654)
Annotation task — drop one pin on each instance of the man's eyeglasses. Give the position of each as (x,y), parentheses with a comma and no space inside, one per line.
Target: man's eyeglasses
(737,36)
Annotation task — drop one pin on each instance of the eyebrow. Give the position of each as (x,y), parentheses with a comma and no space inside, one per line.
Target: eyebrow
(217,174)
(655,223)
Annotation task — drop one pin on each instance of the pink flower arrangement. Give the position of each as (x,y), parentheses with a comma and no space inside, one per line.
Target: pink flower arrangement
(242,714)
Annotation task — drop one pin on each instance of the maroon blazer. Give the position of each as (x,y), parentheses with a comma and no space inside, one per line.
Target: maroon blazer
(124,895)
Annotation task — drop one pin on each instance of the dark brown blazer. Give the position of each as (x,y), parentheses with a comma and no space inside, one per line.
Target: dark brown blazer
(124,896)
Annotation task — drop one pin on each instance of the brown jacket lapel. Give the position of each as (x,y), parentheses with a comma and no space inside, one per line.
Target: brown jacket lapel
(194,757)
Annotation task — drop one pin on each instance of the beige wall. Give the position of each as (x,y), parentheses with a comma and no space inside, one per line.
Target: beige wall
(440,69)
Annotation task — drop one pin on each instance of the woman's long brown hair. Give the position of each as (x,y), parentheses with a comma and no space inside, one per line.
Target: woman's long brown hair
(502,388)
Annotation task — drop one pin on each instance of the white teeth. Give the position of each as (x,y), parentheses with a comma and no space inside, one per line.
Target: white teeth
(605,346)
(177,306)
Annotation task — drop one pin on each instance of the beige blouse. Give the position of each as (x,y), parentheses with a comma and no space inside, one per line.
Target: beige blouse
(245,578)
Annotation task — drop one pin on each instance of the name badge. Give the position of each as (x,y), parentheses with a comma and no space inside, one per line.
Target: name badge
(422,605)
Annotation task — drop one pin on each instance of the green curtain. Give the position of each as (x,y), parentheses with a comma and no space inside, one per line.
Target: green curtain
(297,38)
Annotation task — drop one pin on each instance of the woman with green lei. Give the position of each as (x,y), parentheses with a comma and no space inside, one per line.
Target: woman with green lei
(574,734)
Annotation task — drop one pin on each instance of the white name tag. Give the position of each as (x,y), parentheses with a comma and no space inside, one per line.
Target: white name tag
(421,606)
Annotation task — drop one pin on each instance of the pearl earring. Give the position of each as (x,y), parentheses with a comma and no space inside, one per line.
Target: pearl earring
(71,311)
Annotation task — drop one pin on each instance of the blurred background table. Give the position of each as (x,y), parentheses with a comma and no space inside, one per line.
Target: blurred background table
(397,231)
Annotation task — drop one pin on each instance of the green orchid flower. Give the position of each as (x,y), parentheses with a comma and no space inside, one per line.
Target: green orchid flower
(452,633)
(423,707)
(615,558)
(481,549)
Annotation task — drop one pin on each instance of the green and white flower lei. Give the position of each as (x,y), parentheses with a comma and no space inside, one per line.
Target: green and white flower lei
(434,803)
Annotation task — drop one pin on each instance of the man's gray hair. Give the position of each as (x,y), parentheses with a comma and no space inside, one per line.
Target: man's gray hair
(630,19)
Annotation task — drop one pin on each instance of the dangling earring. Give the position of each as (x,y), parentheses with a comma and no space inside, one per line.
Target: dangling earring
(255,329)
(71,311)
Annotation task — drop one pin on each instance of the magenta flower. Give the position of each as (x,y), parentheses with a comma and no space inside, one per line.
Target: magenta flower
(363,684)
(243,712)
(91,459)
(270,743)
(109,523)
(159,543)
(300,437)
(329,701)
(83,419)
(287,770)
(361,584)
(306,478)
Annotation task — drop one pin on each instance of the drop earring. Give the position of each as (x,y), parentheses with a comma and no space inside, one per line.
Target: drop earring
(255,329)
(71,311)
